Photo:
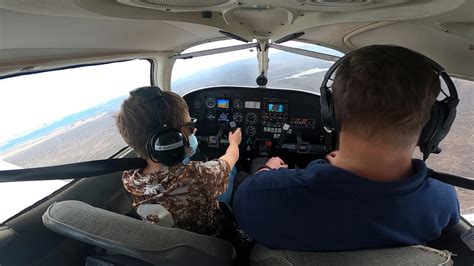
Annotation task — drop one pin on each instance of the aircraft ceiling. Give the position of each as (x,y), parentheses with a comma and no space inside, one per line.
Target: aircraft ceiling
(38,31)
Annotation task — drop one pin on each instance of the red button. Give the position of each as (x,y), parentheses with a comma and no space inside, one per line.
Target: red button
(268,143)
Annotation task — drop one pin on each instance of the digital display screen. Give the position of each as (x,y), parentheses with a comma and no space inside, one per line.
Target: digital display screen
(252,105)
(276,107)
(223,103)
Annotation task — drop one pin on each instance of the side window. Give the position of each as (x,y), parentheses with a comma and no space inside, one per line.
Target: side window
(66,116)
(59,117)
(457,155)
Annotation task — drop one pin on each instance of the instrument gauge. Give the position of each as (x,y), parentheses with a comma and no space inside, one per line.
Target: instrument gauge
(223,117)
(211,116)
(210,103)
(238,104)
(250,131)
(238,117)
(251,118)
(197,104)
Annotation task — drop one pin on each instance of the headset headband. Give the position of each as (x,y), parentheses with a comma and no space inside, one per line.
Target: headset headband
(152,93)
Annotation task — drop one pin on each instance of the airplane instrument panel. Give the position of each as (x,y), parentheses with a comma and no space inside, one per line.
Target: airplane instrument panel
(272,121)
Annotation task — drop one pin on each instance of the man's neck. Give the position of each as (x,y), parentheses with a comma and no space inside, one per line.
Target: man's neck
(374,160)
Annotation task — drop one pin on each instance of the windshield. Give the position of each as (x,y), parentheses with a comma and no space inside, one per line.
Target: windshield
(240,68)
(294,71)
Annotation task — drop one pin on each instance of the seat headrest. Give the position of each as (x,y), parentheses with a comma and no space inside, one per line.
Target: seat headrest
(411,255)
(136,238)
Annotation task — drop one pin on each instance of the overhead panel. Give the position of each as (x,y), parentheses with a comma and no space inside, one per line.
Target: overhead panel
(347,5)
(183,3)
(260,19)
(178,5)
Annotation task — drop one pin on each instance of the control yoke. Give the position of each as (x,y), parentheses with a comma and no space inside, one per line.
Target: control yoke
(281,139)
(301,146)
(215,141)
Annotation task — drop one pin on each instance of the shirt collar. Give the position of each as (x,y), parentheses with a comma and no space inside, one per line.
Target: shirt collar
(345,181)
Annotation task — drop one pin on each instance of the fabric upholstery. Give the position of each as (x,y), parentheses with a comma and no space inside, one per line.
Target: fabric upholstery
(136,238)
(411,255)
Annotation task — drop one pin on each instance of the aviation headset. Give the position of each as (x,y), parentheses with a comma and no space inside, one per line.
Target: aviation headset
(166,145)
(442,116)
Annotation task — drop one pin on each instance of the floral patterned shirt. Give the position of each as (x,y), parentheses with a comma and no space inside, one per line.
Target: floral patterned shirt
(187,191)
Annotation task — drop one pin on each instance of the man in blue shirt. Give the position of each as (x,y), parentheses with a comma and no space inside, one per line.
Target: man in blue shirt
(372,193)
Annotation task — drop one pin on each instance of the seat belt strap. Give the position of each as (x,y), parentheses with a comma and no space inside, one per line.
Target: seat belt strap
(72,171)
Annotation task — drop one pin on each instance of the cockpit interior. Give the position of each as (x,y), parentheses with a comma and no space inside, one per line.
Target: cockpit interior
(67,66)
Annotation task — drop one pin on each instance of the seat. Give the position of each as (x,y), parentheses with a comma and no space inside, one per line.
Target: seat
(411,255)
(136,238)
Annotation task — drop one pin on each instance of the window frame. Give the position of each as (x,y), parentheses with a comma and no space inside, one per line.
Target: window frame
(150,60)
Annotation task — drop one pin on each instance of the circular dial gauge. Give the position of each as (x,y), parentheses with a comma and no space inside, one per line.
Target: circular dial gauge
(197,104)
(238,104)
(210,103)
(223,117)
(238,117)
(250,131)
(211,116)
(251,118)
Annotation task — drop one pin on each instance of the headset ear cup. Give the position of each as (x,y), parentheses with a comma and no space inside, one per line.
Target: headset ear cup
(327,109)
(150,146)
(434,131)
(430,126)
(334,123)
(164,137)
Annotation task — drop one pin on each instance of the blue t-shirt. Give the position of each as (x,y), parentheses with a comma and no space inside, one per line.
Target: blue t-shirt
(325,208)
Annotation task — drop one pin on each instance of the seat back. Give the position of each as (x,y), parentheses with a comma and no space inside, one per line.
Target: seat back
(139,239)
(411,255)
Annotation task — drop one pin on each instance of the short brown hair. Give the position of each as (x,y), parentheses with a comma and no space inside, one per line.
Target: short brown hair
(385,93)
(138,118)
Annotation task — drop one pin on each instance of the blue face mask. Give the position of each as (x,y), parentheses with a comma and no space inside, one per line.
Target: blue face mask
(193,144)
